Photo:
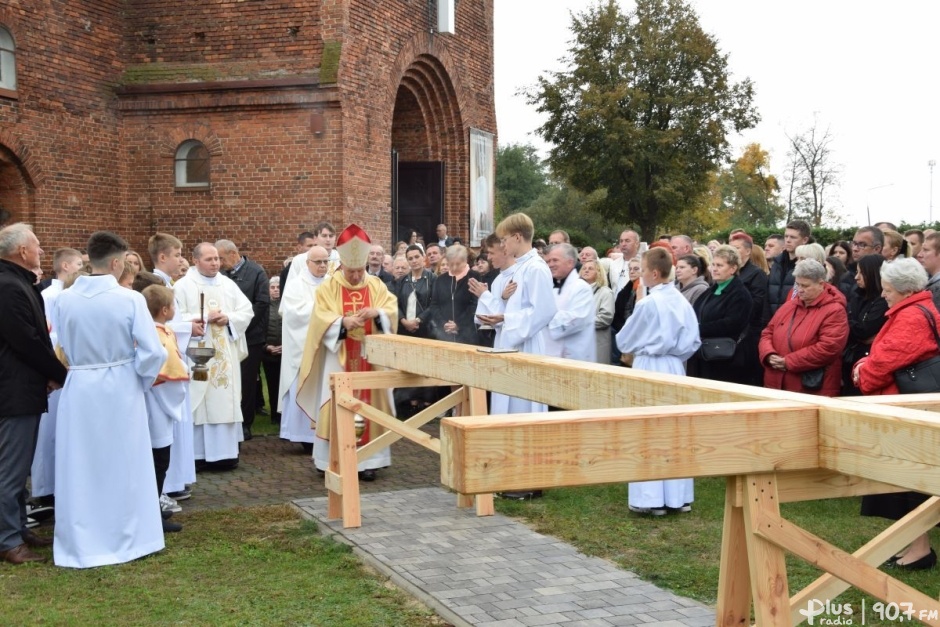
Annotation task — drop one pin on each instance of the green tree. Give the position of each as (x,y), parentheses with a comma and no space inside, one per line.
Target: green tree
(643,110)
(520,177)
(749,192)
(562,207)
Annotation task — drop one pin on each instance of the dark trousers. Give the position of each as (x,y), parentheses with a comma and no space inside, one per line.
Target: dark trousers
(17,445)
(250,368)
(161,463)
(272,377)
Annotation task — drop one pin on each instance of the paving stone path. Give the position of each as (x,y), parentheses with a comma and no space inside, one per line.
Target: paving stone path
(489,571)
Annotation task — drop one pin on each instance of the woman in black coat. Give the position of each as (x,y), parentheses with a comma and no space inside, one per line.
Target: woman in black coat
(866,309)
(453,305)
(724,310)
(418,282)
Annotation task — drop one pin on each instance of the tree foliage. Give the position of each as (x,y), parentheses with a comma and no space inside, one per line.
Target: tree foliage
(643,110)
(520,177)
(813,173)
(749,192)
(563,207)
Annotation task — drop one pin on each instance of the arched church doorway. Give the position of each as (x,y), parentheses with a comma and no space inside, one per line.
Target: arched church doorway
(429,153)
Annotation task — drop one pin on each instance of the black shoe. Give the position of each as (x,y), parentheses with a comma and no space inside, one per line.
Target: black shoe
(246,431)
(925,563)
(367,475)
(308,447)
(166,515)
(171,527)
(521,495)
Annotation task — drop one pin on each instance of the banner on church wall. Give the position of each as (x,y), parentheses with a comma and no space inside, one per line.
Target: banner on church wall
(482,185)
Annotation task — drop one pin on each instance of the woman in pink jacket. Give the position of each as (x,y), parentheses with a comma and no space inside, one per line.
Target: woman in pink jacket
(806,336)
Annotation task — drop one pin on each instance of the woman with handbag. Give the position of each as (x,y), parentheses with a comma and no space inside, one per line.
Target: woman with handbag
(908,341)
(723,312)
(867,308)
(801,348)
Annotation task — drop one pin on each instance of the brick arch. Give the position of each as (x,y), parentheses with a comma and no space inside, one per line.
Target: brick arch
(24,158)
(199,132)
(423,45)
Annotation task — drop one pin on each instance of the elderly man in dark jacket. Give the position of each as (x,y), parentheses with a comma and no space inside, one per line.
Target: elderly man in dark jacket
(252,280)
(29,370)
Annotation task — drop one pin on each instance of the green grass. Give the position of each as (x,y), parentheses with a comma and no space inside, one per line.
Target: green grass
(259,566)
(681,552)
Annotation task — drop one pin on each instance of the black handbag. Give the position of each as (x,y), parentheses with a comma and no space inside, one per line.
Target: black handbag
(924,376)
(813,379)
(718,348)
(810,379)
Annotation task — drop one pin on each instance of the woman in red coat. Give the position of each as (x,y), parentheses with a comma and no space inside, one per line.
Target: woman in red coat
(905,339)
(807,333)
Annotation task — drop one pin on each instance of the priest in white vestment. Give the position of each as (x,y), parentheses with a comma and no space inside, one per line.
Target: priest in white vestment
(107,507)
(528,310)
(571,330)
(166,251)
(661,334)
(308,271)
(349,306)
(206,294)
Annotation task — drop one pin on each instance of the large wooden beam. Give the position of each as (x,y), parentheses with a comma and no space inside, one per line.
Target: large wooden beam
(894,445)
(482,454)
(564,383)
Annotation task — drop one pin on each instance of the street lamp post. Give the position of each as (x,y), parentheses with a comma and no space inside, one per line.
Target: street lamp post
(931,164)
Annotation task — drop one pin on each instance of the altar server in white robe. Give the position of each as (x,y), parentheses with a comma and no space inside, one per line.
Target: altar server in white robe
(528,310)
(571,330)
(662,334)
(66,262)
(102,439)
(166,251)
(308,270)
(491,301)
(216,403)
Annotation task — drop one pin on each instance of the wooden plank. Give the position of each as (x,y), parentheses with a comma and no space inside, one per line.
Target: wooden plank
(781,532)
(566,383)
(894,445)
(333,482)
(343,460)
(396,428)
(923,402)
(528,451)
(383,379)
(767,566)
(476,406)
(874,553)
(817,484)
(734,584)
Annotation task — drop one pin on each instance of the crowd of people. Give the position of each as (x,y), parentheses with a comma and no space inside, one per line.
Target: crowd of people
(792,315)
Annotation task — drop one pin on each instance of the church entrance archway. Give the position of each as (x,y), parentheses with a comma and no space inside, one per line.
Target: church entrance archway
(429,153)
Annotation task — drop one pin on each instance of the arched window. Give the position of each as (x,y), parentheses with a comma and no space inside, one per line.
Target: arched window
(192,164)
(7,60)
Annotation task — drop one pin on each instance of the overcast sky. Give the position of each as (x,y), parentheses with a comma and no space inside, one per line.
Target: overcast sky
(871,75)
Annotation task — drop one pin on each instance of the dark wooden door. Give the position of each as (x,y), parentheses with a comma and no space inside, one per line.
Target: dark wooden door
(419,187)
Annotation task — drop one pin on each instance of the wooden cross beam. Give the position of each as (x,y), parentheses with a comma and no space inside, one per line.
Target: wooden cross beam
(883,442)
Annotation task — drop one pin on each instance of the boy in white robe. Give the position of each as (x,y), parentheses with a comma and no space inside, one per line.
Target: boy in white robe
(166,398)
(66,262)
(527,311)
(166,251)
(102,440)
(524,321)
(661,334)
